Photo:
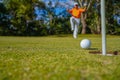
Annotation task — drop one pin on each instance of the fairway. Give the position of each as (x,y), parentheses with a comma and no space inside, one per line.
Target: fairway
(57,57)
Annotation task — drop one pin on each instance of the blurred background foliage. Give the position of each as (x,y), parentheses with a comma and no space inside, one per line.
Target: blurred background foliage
(40,17)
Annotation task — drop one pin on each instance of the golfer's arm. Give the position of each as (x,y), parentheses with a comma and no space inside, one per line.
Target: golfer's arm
(83,9)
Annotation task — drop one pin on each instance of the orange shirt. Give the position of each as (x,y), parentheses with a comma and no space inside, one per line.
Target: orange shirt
(76,12)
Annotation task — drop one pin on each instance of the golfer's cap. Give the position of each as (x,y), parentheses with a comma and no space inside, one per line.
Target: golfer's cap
(75,3)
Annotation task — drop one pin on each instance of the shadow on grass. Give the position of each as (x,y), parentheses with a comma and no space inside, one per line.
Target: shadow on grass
(92,49)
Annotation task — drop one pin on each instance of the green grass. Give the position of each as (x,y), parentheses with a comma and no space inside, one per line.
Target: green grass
(57,58)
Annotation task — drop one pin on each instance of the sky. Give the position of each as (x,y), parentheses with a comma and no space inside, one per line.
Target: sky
(58,7)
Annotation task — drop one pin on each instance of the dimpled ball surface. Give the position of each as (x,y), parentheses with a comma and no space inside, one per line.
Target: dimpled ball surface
(85,43)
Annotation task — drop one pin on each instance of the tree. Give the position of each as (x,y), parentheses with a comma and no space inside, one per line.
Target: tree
(4,20)
(22,12)
(87,4)
(94,20)
(112,10)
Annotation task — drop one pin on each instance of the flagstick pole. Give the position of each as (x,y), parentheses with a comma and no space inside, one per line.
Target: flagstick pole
(103,27)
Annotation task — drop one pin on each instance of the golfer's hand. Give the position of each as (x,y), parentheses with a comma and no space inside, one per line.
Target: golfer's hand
(67,10)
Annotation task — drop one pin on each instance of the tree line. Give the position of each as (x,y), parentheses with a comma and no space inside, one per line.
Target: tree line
(17,18)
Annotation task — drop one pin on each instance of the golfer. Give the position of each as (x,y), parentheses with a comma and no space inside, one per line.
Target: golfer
(75,18)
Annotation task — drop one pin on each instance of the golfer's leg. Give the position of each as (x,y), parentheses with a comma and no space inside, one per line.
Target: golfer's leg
(77,22)
(75,31)
(72,23)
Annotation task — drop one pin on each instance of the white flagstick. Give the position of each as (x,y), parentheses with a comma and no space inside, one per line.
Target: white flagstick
(103,27)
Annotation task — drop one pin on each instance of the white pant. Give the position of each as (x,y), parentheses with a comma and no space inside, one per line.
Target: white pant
(74,25)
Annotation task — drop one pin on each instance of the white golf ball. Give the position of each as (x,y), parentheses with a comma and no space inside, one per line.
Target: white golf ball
(85,43)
